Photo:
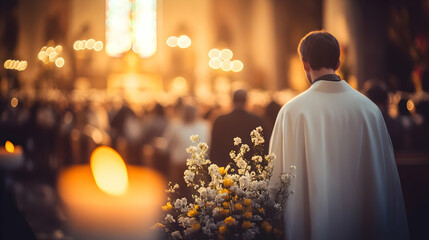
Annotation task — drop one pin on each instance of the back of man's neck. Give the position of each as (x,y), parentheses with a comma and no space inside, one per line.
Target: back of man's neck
(315,74)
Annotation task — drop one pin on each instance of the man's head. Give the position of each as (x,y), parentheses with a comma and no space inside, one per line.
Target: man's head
(320,52)
(239,99)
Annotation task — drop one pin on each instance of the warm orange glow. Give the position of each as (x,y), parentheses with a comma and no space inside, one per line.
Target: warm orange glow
(52,56)
(214,53)
(172,41)
(226,54)
(410,105)
(9,147)
(184,41)
(22,66)
(179,86)
(226,65)
(58,49)
(90,43)
(76,45)
(237,66)
(59,62)
(109,170)
(14,102)
(7,64)
(98,46)
(215,63)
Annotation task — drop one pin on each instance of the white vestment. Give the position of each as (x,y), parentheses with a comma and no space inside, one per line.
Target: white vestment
(347,184)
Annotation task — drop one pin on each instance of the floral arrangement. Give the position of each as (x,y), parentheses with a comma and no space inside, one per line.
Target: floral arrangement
(231,202)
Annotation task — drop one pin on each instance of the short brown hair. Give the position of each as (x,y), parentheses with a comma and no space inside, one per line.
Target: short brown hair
(320,49)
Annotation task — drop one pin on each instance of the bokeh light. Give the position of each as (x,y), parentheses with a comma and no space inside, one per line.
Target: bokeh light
(237,66)
(59,62)
(226,65)
(214,53)
(184,41)
(410,105)
(225,54)
(98,46)
(215,63)
(14,102)
(90,43)
(172,41)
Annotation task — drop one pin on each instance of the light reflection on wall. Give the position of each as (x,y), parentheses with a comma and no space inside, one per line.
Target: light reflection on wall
(145,28)
(118,27)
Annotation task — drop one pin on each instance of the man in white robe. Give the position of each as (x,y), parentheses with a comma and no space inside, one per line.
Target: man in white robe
(347,185)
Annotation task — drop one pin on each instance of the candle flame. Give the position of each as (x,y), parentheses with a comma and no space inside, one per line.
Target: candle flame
(9,147)
(109,170)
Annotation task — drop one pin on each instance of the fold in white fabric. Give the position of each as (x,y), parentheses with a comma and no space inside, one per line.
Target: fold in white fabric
(347,184)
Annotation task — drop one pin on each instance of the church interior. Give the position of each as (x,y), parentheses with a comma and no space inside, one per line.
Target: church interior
(78,74)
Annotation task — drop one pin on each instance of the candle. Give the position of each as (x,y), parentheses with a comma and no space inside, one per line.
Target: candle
(109,200)
(11,156)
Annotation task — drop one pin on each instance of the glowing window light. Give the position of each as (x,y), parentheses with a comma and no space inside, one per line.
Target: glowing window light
(118,27)
(145,28)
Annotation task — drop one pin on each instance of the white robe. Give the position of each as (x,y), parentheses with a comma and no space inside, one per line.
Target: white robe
(347,184)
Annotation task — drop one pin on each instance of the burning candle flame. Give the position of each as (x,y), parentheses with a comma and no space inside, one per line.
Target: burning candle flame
(109,170)
(9,147)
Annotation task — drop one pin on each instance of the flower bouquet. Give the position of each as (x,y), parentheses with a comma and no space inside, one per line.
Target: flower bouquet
(229,202)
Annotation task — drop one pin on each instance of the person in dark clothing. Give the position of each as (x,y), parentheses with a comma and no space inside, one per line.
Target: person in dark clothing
(238,123)
(378,93)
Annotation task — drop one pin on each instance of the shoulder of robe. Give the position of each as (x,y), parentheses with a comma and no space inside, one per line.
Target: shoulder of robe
(295,104)
(366,103)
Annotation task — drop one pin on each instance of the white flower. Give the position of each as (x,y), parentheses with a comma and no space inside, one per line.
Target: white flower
(203,147)
(257,158)
(194,138)
(256,136)
(180,203)
(169,218)
(176,235)
(292,167)
(244,148)
(191,149)
(284,176)
(215,211)
(270,157)
(244,181)
(189,176)
(241,163)
(232,155)
(237,141)
(184,221)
